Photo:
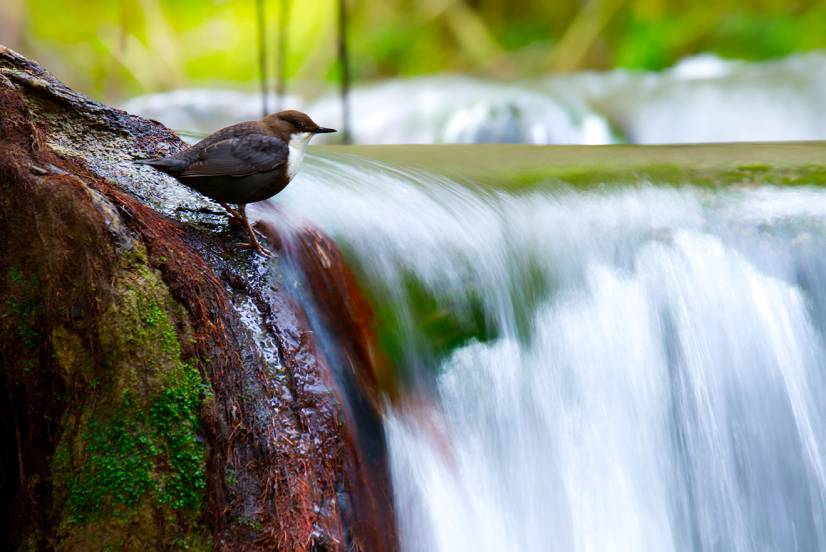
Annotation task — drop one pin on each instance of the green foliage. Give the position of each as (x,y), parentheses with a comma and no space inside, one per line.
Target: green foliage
(518,33)
(651,45)
(741,30)
(116,48)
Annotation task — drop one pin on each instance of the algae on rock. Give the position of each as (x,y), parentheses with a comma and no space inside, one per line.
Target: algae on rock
(136,443)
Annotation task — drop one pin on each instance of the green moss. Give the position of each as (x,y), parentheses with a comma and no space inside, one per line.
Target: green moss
(154,317)
(174,419)
(518,167)
(23,306)
(137,456)
(249,522)
(416,323)
(117,471)
(69,352)
(755,168)
(230,476)
(153,314)
(433,327)
(136,452)
(663,173)
(15,276)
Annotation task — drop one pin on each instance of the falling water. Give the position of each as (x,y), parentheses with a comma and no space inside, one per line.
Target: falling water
(635,367)
(628,368)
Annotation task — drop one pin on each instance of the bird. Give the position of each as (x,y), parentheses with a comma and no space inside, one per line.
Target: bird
(244,163)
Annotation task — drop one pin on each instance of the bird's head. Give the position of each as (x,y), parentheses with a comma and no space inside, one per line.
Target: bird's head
(293,125)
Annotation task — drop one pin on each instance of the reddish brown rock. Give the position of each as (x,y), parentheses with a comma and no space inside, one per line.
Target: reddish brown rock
(358,366)
(159,389)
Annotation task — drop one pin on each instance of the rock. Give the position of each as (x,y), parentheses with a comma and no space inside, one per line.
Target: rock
(160,388)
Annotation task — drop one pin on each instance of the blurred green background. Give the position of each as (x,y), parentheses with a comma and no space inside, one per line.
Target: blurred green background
(113,49)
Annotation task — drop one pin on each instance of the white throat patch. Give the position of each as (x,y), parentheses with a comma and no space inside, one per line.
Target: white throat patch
(298,142)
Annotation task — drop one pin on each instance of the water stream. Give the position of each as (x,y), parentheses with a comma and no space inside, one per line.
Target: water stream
(633,368)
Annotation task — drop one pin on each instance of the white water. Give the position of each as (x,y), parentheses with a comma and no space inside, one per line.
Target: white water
(664,390)
(706,99)
(702,99)
(657,379)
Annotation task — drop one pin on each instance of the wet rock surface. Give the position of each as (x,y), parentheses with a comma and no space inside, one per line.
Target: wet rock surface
(162,389)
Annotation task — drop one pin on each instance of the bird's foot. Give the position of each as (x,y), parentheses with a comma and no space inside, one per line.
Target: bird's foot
(240,215)
(253,243)
(241,222)
(256,245)
(236,216)
(235,221)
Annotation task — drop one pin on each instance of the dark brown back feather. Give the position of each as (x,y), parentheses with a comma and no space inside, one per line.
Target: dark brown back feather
(238,156)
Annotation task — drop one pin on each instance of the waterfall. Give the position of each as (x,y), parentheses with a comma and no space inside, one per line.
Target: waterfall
(633,367)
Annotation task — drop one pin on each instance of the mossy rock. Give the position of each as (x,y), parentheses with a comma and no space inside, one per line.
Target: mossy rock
(132,454)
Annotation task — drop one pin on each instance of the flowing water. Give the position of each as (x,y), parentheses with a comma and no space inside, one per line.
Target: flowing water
(630,367)
(638,367)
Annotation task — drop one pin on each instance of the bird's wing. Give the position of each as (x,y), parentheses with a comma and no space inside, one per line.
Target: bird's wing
(239,156)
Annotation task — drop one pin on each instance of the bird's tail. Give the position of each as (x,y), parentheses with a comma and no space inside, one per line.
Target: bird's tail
(168,165)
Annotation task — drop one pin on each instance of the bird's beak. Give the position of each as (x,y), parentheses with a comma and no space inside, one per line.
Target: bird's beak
(322,130)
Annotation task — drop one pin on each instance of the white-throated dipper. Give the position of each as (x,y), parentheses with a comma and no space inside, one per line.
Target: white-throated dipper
(245,162)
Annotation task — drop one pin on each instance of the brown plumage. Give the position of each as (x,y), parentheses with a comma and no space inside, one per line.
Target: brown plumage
(245,162)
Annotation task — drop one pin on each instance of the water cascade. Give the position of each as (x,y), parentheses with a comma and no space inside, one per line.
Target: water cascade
(636,367)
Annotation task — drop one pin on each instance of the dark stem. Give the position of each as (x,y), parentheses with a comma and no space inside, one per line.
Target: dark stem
(113,89)
(21,472)
(262,54)
(123,31)
(281,55)
(344,61)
